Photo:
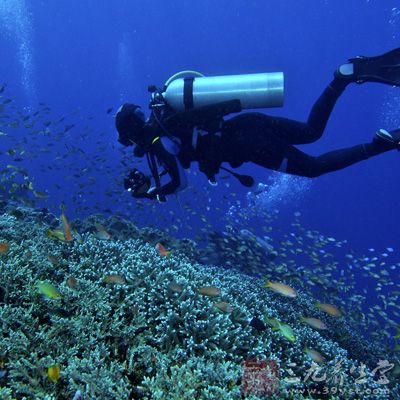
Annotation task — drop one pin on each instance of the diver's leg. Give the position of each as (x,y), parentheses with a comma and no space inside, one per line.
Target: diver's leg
(382,69)
(296,162)
(322,109)
(295,132)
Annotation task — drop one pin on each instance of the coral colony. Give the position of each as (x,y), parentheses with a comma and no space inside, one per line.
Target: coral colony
(98,309)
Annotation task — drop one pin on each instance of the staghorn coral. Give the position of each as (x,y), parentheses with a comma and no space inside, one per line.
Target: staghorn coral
(142,339)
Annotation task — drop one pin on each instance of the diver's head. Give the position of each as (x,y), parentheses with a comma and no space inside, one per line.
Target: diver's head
(129,122)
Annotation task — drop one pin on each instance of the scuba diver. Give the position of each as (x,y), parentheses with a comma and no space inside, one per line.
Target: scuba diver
(187,124)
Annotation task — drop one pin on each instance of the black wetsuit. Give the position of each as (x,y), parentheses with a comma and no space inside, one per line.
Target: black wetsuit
(253,137)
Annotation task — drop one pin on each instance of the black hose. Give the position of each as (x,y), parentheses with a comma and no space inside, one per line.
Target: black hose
(245,180)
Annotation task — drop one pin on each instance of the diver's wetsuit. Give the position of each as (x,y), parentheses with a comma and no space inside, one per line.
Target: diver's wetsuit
(254,137)
(268,141)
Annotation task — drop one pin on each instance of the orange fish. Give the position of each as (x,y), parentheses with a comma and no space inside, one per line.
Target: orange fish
(223,306)
(71,282)
(119,279)
(4,247)
(280,288)
(210,291)
(329,309)
(67,228)
(162,250)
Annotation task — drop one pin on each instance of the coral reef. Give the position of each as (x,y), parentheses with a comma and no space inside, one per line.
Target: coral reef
(145,338)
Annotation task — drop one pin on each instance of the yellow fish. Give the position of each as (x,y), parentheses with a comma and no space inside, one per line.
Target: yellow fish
(48,290)
(53,373)
(280,288)
(287,332)
(284,329)
(55,234)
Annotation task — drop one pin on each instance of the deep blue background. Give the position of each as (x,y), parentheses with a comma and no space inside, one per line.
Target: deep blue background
(90,55)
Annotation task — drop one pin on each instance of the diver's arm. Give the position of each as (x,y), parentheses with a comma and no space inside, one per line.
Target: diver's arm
(170,164)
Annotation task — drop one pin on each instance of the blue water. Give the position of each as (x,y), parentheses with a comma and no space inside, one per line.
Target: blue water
(81,58)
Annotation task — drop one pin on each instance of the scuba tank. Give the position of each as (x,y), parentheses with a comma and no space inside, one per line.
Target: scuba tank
(262,90)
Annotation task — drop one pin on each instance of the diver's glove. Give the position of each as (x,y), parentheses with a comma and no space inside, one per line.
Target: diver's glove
(388,138)
(152,194)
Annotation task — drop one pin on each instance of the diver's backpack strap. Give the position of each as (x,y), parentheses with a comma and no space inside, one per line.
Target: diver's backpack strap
(188,92)
(153,168)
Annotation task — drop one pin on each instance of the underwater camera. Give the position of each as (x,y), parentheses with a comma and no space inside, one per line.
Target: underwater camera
(137,182)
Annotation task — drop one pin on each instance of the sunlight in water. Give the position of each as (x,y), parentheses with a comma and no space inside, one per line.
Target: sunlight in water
(389,116)
(126,70)
(16,25)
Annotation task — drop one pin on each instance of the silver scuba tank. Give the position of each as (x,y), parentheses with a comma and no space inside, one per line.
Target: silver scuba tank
(262,90)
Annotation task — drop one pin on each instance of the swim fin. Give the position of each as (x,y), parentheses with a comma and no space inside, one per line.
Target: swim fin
(383,69)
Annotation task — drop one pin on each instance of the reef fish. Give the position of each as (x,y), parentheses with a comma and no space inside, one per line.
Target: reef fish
(119,279)
(55,234)
(40,195)
(287,332)
(67,228)
(175,287)
(314,323)
(162,250)
(223,306)
(329,309)
(210,291)
(280,288)
(72,282)
(48,290)
(284,329)
(53,373)
(315,355)
(4,247)
(102,233)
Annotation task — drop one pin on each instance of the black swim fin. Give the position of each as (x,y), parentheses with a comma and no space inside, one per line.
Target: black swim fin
(383,69)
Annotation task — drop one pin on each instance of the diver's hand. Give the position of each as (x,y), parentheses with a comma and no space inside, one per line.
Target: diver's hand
(153,194)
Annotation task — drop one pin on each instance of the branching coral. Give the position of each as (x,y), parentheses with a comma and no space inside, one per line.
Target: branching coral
(140,338)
